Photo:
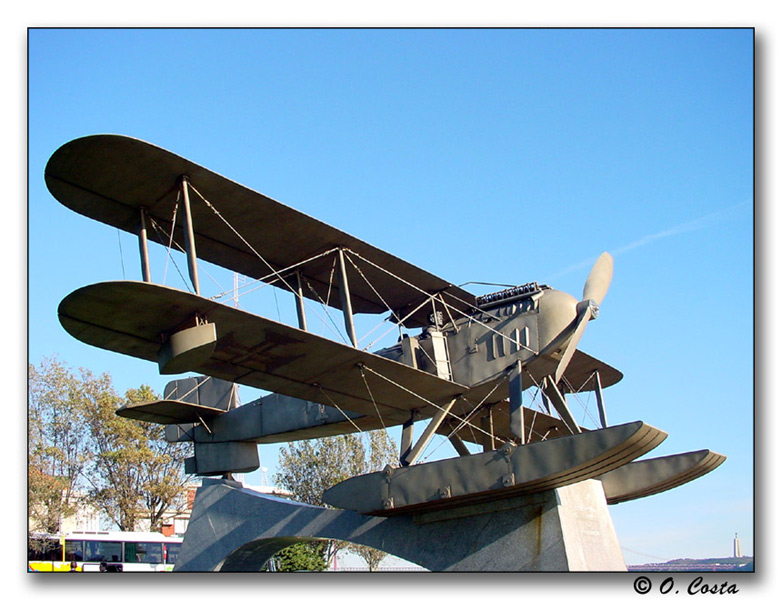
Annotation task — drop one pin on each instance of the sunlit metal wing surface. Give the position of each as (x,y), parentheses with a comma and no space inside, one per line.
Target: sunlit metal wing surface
(110,178)
(133,318)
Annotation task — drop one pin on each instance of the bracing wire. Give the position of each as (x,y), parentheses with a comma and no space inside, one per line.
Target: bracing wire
(158,231)
(121,257)
(429,402)
(244,241)
(374,402)
(335,405)
(172,243)
(432,297)
(267,280)
(277,274)
(465,421)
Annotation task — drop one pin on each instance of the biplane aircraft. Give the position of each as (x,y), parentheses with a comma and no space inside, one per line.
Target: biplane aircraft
(461,362)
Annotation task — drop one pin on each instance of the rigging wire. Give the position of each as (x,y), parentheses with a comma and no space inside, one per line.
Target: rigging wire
(466,421)
(277,274)
(476,408)
(173,243)
(239,235)
(432,297)
(271,276)
(579,398)
(374,402)
(429,402)
(171,240)
(325,305)
(335,405)
(121,257)
(158,231)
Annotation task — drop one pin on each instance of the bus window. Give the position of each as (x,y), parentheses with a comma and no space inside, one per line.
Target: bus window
(143,552)
(74,550)
(103,551)
(172,552)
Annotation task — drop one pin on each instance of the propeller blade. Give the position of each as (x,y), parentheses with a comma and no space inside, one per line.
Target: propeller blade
(583,319)
(595,289)
(599,279)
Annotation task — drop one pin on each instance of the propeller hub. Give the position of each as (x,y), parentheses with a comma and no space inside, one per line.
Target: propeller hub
(590,305)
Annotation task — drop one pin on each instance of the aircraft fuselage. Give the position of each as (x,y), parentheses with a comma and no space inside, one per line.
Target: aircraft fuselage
(533,327)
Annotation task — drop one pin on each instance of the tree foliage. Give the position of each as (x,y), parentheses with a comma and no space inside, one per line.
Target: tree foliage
(78,443)
(135,474)
(304,556)
(57,442)
(309,467)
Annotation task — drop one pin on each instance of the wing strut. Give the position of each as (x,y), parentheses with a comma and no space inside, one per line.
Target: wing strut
(300,302)
(347,307)
(142,245)
(190,248)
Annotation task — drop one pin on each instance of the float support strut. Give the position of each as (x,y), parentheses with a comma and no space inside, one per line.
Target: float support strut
(515,396)
(601,407)
(487,424)
(558,400)
(407,439)
(428,433)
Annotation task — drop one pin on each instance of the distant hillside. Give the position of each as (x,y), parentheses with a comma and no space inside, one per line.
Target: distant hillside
(745,563)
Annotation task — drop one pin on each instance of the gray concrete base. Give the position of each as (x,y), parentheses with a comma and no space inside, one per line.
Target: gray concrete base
(567,529)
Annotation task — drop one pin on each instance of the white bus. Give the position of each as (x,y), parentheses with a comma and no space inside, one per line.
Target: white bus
(109,551)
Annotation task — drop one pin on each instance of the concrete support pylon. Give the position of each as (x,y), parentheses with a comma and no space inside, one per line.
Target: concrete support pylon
(567,529)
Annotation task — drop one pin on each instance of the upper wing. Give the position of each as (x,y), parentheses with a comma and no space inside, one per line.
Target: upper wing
(133,318)
(109,178)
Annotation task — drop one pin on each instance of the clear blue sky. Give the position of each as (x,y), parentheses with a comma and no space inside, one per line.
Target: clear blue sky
(493,155)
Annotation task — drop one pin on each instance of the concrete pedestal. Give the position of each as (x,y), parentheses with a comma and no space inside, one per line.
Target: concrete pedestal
(567,529)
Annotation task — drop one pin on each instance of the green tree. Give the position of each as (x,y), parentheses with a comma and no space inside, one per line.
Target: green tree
(135,474)
(309,467)
(76,442)
(304,556)
(57,442)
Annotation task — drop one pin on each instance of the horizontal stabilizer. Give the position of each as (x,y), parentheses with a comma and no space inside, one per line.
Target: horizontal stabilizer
(169,412)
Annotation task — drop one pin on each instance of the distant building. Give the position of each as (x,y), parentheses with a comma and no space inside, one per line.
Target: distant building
(175,521)
(737,547)
(86,517)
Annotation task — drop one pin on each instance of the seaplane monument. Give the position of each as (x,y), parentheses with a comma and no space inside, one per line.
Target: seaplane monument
(534,499)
